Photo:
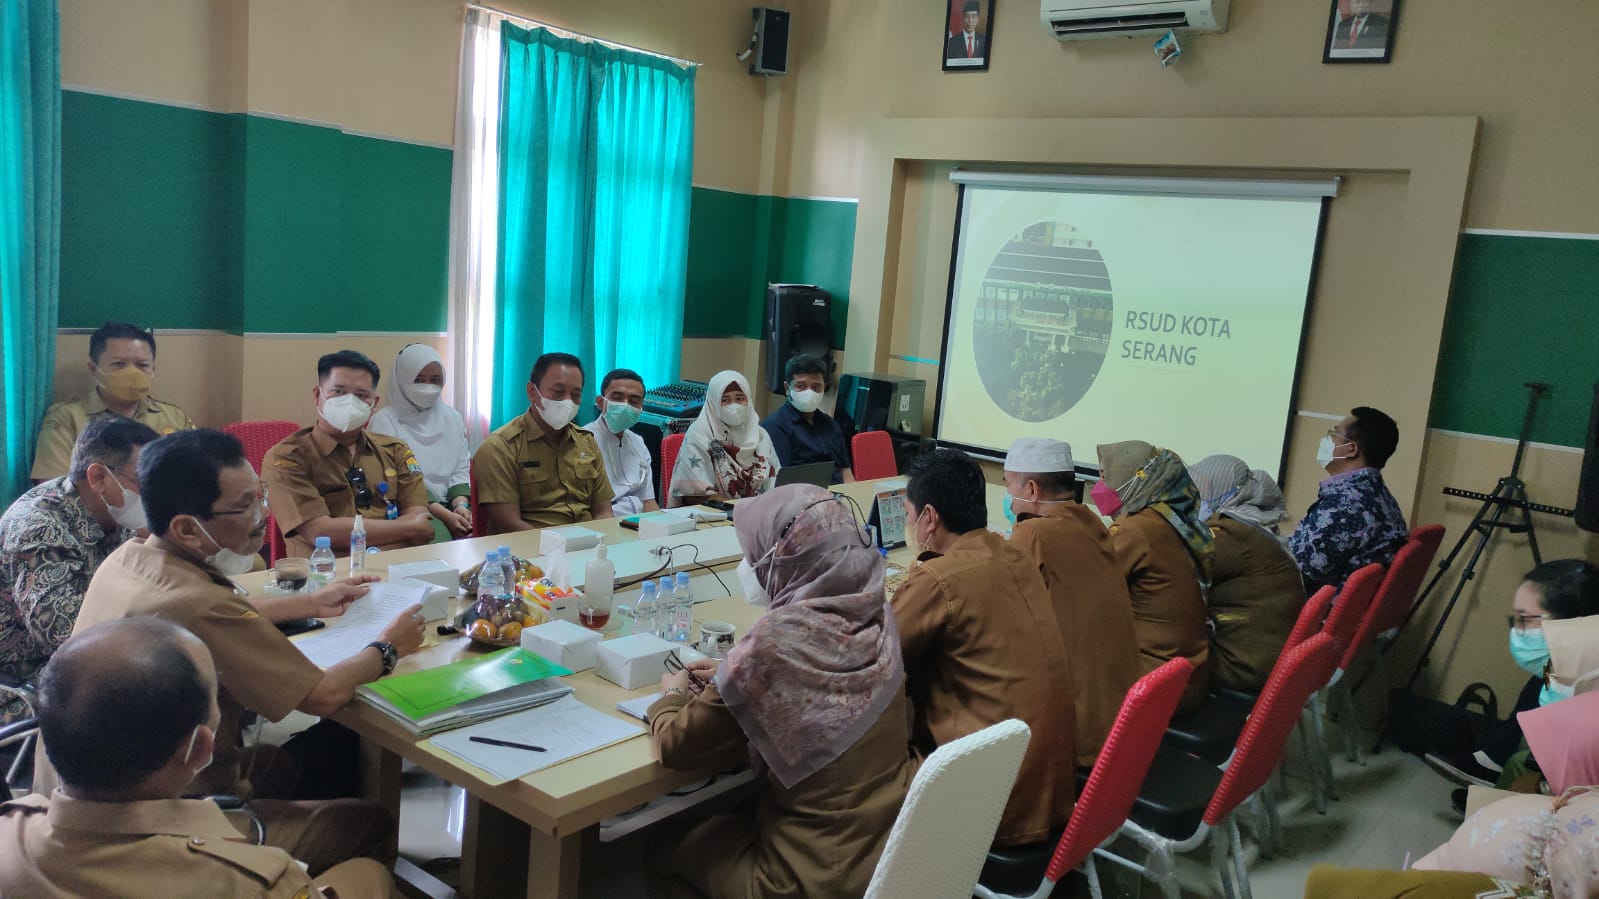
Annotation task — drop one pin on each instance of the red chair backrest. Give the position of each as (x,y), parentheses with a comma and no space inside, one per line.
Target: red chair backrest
(671,444)
(1349,609)
(1299,672)
(872,456)
(1123,762)
(1405,575)
(258,437)
(1311,616)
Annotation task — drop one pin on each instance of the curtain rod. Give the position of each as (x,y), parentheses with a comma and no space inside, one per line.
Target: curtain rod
(578,34)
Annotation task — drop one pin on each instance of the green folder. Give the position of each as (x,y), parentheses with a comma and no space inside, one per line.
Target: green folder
(470,690)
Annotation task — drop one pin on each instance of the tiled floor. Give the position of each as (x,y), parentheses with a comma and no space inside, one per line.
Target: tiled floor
(1391,806)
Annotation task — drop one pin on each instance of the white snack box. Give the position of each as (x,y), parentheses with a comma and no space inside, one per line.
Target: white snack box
(436,602)
(564,643)
(654,525)
(572,538)
(434,572)
(634,661)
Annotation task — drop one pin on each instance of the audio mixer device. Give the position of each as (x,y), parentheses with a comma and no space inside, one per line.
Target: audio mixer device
(680,400)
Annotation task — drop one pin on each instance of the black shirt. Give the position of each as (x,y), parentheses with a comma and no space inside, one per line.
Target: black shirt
(801,442)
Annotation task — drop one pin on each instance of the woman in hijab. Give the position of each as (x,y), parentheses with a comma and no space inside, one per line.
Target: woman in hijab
(813,696)
(1165,552)
(726,453)
(434,432)
(1255,589)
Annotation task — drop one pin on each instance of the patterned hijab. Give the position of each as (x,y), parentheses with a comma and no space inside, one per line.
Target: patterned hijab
(1226,484)
(1147,477)
(817,670)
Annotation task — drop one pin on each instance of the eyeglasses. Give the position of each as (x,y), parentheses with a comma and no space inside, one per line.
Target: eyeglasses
(259,507)
(363,493)
(1520,622)
(674,665)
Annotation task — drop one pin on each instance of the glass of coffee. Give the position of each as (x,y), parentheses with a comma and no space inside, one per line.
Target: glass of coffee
(292,573)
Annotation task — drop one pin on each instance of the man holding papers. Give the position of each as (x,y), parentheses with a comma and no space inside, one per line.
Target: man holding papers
(206,519)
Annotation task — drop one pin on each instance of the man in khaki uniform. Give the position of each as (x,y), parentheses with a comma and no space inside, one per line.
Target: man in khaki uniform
(982,643)
(1074,553)
(129,710)
(321,477)
(540,470)
(206,519)
(122,361)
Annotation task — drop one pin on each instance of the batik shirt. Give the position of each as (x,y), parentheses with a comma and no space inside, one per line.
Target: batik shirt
(50,546)
(1354,522)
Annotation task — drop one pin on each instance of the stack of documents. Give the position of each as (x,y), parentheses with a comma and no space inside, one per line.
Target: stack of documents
(518,745)
(468,691)
(361,623)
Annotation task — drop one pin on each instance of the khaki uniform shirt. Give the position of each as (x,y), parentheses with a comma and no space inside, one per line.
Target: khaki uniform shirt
(982,645)
(1074,553)
(1255,598)
(71,848)
(1168,605)
(63,422)
(258,669)
(552,482)
(305,478)
(820,837)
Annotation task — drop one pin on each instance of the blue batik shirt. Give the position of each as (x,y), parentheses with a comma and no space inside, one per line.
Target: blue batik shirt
(1354,522)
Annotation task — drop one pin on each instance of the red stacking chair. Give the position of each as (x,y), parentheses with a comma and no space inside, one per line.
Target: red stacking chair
(872,456)
(1103,803)
(671,444)
(258,437)
(1405,579)
(1187,800)
(1343,623)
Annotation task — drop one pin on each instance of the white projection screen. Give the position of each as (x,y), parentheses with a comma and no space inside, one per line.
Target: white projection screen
(1098,309)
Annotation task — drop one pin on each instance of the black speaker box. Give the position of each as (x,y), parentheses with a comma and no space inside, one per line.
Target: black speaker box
(771,42)
(1588,481)
(798,322)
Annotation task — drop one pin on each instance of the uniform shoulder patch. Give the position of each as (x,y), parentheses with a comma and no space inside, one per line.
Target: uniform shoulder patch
(411,463)
(287,464)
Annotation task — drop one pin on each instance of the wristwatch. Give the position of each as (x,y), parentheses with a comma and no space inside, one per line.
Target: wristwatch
(390,656)
(675,691)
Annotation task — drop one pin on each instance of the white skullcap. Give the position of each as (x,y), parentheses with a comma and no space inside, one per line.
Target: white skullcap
(1036,455)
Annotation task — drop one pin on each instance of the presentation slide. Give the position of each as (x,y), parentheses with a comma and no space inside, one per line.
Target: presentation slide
(1097,317)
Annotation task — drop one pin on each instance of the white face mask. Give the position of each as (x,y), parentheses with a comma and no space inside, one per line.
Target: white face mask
(130,514)
(1327,451)
(754,593)
(558,413)
(424,395)
(227,562)
(190,751)
(734,414)
(806,401)
(345,412)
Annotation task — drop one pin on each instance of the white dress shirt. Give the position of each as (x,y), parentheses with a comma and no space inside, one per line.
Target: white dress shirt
(627,465)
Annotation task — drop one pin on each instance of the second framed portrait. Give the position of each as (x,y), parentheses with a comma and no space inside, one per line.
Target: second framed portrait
(968,35)
(1361,31)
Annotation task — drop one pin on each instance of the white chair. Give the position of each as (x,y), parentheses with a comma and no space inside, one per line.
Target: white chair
(942,834)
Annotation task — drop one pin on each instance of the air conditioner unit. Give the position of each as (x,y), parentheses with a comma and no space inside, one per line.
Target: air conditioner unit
(1075,20)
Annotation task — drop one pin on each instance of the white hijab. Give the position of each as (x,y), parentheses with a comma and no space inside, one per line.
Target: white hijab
(747,437)
(436,434)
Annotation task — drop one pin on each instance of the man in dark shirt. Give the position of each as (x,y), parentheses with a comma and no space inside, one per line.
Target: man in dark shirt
(1354,521)
(801,433)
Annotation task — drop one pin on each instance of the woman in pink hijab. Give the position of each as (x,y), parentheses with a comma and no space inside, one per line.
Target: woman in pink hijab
(813,695)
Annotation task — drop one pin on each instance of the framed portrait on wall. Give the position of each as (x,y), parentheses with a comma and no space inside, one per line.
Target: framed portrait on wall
(968,33)
(1361,31)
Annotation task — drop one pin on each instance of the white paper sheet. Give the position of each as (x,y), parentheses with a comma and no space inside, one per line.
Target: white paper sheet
(565,729)
(638,705)
(361,623)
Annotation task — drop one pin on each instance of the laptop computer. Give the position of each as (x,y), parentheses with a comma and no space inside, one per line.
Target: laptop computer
(818,473)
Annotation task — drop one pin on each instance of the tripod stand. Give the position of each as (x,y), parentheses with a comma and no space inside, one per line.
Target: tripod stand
(1509,495)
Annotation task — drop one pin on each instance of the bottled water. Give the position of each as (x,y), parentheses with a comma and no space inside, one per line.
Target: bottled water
(323,565)
(682,609)
(490,580)
(666,595)
(508,568)
(646,612)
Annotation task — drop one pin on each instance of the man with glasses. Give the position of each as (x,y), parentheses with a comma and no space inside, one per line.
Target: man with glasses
(1354,521)
(323,476)
(207,517)
(51,541)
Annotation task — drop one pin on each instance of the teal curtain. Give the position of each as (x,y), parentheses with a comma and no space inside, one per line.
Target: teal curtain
(596,164)
(30,225)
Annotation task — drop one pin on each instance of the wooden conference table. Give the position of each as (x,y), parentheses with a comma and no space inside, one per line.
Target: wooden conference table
(543,817)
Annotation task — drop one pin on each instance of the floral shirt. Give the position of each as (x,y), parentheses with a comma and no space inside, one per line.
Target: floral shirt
(50,545)
(1354,522)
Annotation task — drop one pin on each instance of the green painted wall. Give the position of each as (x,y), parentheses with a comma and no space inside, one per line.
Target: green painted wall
(1524,309)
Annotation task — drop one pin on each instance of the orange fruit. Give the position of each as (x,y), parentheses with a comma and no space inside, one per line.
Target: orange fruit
(511,631)
(481,629)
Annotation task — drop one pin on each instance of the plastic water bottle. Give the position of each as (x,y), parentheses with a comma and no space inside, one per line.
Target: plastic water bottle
(666,595)
(391,509)
(358,546)
(646,612)
(490,579)
(508,569)
(323,565)
(683,609)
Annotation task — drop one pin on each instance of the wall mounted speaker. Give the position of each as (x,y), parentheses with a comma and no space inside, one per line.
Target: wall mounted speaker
(771,42)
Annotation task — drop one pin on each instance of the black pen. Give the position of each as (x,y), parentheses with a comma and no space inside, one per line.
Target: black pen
(506,743)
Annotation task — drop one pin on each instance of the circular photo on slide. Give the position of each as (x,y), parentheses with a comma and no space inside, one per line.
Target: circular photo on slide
(1043,317)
